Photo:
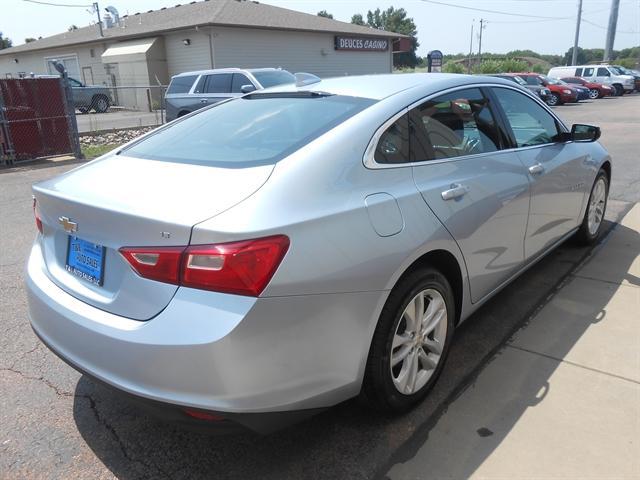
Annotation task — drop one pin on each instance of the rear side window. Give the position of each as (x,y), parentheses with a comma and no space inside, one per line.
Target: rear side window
(181,84)
(531,123)
(238,81)
(251,130)
(453,125)
(588,72)
(393,145)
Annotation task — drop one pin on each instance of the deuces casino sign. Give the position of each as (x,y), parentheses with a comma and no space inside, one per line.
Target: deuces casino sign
(362,44)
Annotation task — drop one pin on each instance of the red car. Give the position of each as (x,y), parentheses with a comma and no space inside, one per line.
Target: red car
(559,93)
(596,90)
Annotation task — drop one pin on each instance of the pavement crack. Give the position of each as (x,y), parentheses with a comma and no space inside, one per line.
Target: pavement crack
(93,406)
(58,391)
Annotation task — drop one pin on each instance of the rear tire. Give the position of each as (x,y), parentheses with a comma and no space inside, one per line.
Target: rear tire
(417,348)
(593,219)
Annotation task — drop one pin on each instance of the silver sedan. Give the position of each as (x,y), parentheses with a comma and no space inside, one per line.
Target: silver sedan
(279,253)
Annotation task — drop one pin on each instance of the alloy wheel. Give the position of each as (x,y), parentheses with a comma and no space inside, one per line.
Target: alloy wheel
(553,100)
(593,94)
(418,341)
(596,206)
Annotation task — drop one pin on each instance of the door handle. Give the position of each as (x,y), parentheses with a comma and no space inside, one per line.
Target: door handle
(536,169)
(204,100)
(456,191)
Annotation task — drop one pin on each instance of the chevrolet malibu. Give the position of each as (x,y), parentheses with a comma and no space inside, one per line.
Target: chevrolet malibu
(278,253)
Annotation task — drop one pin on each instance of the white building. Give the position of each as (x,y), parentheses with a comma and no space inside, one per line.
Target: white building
(148,48)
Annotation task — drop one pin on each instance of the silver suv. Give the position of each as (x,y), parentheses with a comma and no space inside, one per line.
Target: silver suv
(191,91)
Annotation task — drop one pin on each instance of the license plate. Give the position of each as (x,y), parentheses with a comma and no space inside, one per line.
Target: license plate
(85,260)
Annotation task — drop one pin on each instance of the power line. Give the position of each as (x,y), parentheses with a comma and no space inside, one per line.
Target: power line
(604,28)
(492,11)
(57,4)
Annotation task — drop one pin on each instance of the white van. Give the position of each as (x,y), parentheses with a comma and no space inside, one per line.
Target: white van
(597,73)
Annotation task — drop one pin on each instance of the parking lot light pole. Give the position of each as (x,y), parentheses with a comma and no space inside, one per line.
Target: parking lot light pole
(574,57)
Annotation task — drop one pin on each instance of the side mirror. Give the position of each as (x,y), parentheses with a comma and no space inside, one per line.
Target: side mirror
(584,133)
(247,88)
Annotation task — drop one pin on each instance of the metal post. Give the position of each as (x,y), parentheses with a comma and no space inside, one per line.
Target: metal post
(470,48)
(97,7)
(480,43)
(71,110)
(611,30)
(574,57)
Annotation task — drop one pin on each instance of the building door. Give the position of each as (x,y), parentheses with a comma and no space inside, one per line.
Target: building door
(87,76)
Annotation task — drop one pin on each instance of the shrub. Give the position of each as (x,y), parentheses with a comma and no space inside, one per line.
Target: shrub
(453,67)
(512,65)
(539,68)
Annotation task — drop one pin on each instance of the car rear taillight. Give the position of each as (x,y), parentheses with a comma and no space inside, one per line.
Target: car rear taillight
(155,263)
(241,268)
(37,215)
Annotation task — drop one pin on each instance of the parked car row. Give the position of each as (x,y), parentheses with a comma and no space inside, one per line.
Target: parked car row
(576,83)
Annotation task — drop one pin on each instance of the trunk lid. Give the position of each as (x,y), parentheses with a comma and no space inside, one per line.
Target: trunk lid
(124,201)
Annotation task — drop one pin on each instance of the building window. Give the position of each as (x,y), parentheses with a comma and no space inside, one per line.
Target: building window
(92,53)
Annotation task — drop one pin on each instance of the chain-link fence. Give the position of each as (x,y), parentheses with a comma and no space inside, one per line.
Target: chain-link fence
(36,119)
(100,109)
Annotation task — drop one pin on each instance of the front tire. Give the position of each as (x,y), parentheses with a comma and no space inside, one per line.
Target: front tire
(100,104)
(594,93)
(410,343)
(591,226)
(554,100)
(619,90)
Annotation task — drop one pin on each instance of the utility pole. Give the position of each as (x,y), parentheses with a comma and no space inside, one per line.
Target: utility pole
(574,57)
(470,48)
(611,30)
(482,27)
(97,9)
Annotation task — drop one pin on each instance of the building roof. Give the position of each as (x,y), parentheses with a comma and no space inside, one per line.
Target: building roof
(232,13)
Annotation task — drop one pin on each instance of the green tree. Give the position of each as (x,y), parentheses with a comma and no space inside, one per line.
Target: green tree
(5,42)
(397,21)
(29,40)
(539,68)
(358,20)
(325,14)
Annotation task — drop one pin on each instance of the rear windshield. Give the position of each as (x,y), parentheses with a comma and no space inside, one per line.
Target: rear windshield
(253,130)
(272,78)
(181,84)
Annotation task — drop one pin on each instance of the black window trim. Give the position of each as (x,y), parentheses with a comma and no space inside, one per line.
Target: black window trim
(370,163)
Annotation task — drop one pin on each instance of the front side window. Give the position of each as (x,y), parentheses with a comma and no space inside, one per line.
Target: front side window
(239,80)
(271,78)
(603,72)
(453,125)
(256,129)
(181,84)
(218,83)
(74,82)
(531,123)
(533,80)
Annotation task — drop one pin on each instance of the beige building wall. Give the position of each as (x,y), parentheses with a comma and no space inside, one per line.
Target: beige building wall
(223,47)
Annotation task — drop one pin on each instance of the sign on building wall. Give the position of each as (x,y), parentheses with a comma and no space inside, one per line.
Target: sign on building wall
(361,44)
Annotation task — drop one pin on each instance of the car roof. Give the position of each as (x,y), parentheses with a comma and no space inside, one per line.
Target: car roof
(382,86)
(228,70)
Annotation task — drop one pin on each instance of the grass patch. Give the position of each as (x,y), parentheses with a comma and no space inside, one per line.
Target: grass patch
(93,151)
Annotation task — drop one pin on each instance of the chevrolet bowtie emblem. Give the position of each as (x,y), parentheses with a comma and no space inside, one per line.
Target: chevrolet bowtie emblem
(68,225)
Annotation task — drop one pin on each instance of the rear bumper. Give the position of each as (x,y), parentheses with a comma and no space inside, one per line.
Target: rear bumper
(215,352)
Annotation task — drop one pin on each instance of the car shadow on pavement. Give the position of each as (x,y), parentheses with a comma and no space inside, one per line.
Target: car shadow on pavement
(348,441)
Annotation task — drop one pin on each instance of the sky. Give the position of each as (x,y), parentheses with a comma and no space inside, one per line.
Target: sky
(439,26)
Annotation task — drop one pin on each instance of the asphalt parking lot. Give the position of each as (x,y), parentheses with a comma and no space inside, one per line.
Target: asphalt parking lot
(55,423)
